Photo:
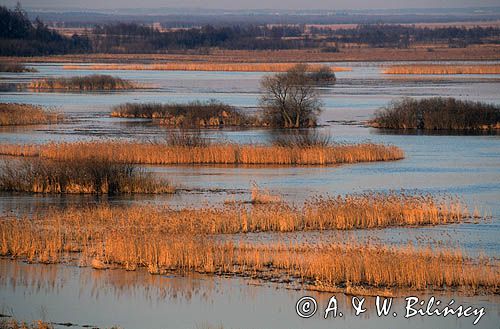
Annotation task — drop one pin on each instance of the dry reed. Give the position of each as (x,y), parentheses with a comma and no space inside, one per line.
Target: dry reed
(164,154)
(14,324)
(94,82)
(186,66)
(193,114)
(443,69)
(136,241)
(438,113)
(92,176)
(356,211)
(26,114)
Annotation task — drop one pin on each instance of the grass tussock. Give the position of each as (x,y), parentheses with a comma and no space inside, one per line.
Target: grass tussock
(92,176)
(235,154)
(96,82)
(15,68)
(229,67)
(136,239)
(443,69)
(26,114)
(438,114)
(194,114)
(262,196)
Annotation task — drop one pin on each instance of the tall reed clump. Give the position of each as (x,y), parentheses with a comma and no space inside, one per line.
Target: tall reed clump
(438,114)
(15,68)
(96,82)
(230,67)
(443,69)
(142,242)
(194,114)
(26,114)
(92,175)
(162,153)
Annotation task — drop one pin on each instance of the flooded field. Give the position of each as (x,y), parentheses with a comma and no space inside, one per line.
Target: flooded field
(467,166)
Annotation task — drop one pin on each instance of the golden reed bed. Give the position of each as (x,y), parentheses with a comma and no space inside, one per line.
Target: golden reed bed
(13,114)
(132,238)
(230,67)
(443,69)
(163,154)
(357,211)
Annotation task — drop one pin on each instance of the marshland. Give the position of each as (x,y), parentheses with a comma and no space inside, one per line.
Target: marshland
(26,114)
(130,206)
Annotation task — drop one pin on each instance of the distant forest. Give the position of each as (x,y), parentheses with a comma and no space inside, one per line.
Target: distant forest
(21,37)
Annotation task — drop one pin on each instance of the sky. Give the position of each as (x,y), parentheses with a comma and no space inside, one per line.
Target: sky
(252,4)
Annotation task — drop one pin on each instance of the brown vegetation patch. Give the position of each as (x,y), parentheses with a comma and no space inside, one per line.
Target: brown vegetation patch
(135,239)
(14,324)
(94,82)
(15,68)
(439,53)
(443,69)
(164,154)
(438,114)
(91,175)
(26,114)
(186,66)
(194,114)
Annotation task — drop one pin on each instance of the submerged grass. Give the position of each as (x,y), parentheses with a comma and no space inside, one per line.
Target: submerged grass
(443,69)
(186,66)
(162,153)
(438,114)
(194,114)
(96,82)
(26,114)
(103,238)
(92,176)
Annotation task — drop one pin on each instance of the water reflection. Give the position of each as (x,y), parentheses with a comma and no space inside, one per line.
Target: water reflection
(60,293)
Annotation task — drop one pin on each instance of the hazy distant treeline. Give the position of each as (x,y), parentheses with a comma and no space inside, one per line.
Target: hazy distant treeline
(20,36)
(383,35)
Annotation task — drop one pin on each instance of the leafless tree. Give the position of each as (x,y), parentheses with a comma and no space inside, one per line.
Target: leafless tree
(290,100)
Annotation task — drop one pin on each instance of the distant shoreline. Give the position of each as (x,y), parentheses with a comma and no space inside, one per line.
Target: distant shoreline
(471,53)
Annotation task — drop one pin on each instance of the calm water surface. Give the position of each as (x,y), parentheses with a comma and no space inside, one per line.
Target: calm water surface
(466,166)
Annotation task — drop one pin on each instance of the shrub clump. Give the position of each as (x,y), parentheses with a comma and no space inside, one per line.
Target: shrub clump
(303,140)
(438,114)
(26,114)
(95,82)
(15,68)
(193,114)
(82,176)
(322,76)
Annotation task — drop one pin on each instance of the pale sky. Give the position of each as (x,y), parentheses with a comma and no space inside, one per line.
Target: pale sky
(253,4)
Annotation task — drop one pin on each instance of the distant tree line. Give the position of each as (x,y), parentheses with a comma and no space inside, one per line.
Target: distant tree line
(385,35)
(130,37)
(19,36)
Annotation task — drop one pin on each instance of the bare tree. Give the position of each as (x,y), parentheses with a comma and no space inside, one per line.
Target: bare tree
(290,100)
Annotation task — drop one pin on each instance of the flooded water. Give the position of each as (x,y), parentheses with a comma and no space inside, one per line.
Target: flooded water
(466,166)
(82,296)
